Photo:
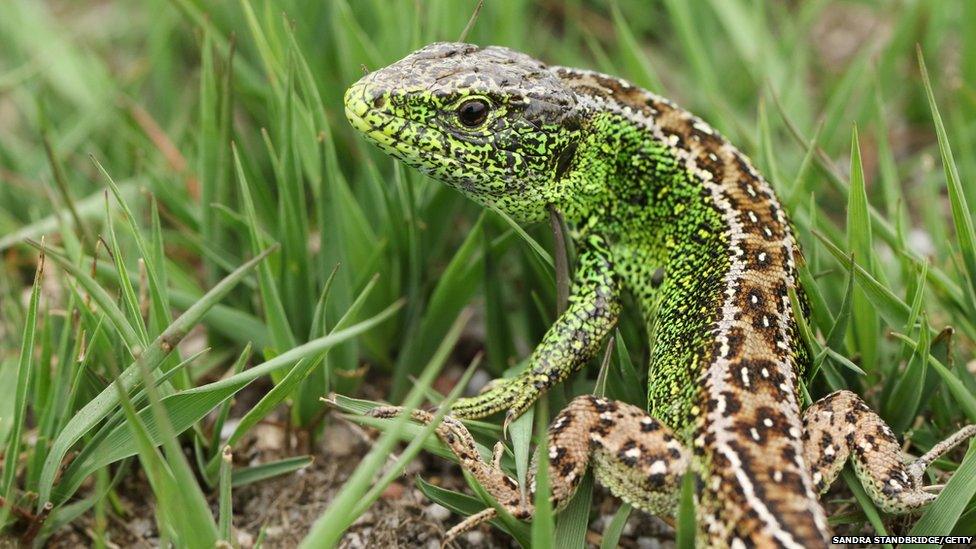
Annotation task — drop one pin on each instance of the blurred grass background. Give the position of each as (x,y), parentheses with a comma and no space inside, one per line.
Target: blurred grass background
(182,157)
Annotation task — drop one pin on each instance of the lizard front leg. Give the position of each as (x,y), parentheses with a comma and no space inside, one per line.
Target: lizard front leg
(841,426)
(634,455)
(575,337)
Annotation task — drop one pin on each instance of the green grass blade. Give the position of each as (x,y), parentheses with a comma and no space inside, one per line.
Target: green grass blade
(105,301)
(686,513)
(456,286)
(128,293)
(274,309)
(905,399)
(572,523)
(543,521)
(225,505)
(520,433)
(329,527)
(200,529)
(103,404)
(468,505)
(961,214)
(963,396)
(865,325)
(20,404)
(611,536)
(835,338)
(185,408)
(264,471)
(895,311)
(416,444)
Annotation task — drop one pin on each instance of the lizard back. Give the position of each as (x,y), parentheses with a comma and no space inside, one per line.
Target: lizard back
(739,374)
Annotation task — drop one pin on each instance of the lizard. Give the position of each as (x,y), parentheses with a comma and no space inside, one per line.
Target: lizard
(646,187)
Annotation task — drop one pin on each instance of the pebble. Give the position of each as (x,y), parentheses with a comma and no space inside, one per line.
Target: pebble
(478,380)
(645,542)
(437,512)
(244,539)
(340,442)
(393,492)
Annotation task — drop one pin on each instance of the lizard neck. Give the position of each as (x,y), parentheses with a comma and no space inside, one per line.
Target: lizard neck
(725,349)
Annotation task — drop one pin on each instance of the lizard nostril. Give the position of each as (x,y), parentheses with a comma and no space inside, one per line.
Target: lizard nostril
(379,101)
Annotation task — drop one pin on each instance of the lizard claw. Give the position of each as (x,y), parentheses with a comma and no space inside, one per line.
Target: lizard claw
(510,416)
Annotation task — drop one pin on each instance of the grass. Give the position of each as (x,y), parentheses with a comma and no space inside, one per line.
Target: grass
(189,169)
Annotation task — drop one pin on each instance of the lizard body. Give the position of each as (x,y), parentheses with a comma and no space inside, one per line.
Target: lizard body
(645,186)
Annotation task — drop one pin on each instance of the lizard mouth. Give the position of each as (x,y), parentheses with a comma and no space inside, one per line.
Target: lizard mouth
(391,134)
(357,121)
(430,147)
(368,113)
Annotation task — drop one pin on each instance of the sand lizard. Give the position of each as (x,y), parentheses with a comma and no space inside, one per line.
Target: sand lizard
(644,185)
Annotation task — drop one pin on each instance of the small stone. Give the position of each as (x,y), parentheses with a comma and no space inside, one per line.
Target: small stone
(445,382)
(142,526)
(600,523)
(645,542)
(228,429)
(478,380)
(393,491)
(340,442)
(475,538)
(244,539)
(437,512)
(268,438)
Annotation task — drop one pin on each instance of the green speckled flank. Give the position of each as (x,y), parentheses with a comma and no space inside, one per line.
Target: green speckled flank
(646,188)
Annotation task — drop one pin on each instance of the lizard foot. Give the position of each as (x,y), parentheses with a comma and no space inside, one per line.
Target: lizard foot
(638,458)
(841,426)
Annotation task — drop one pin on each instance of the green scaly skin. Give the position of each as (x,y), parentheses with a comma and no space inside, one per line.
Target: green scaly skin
(644,186)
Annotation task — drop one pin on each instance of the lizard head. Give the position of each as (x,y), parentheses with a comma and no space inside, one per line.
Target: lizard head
(494,123)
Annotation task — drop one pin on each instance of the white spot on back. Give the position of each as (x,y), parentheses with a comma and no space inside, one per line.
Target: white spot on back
(658,467)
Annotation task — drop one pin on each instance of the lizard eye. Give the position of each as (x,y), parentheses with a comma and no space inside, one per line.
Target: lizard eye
(473,112)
